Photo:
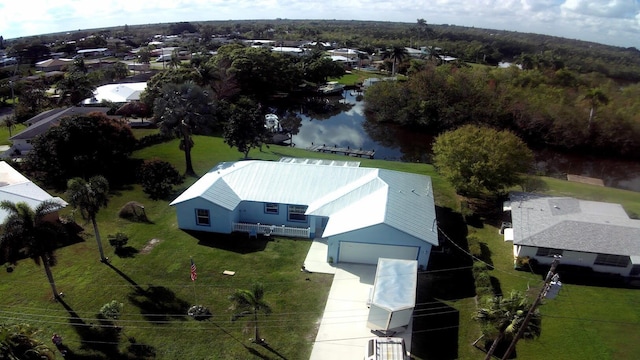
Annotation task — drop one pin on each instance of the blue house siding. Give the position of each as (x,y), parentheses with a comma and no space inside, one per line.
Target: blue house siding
(383,235)
(220,219)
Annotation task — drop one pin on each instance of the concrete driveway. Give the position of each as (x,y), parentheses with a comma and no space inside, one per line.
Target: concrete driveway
(343,331)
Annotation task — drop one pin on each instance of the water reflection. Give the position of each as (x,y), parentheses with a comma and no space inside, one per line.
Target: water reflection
(340,121)
(348,127)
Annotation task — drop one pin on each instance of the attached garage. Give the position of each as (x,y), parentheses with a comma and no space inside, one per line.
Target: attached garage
(365,253)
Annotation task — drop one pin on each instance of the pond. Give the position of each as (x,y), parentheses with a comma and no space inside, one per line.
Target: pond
(344,125)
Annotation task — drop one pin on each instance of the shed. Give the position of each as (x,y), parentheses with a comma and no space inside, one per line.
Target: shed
(394,295)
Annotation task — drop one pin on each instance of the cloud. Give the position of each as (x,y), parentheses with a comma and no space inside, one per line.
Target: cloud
(617,9)
(607,21)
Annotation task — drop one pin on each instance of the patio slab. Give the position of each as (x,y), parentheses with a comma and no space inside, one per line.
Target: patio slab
(316,260)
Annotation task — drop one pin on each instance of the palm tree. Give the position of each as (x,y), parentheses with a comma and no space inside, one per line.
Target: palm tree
(175,59)
(501,318)
(250,302)
(89,197)
(396,54)
(20,341)
(26,232)
(595,97)
(182,110)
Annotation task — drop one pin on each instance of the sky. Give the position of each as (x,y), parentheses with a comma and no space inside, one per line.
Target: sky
(611,22)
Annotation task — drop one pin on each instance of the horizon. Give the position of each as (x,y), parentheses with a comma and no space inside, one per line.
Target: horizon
(615,23)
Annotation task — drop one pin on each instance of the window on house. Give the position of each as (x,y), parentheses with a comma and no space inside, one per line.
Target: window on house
(635,270)
(202,217)
(296,213)
(548,252)
(612,260)
(271,208)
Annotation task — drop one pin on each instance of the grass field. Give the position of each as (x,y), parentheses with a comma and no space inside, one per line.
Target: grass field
(584,322)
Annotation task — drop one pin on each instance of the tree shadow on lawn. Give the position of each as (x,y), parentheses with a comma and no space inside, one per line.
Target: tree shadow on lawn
(126,252)
(435,329)
(158,303)
(236,242)
(125,276)
(585,276)
(103,337)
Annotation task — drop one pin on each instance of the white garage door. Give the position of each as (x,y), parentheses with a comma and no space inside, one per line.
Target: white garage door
(361,253)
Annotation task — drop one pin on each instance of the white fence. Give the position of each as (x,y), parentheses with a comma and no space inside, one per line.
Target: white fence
(267,230)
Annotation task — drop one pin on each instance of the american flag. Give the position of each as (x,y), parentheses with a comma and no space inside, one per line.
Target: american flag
(194,274)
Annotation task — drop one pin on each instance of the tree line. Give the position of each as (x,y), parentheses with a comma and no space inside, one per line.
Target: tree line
(559,109)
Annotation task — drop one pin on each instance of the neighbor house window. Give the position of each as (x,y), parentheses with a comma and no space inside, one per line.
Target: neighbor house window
(202,217)
(612,260)
(271,208)
(296,213)
(548,252)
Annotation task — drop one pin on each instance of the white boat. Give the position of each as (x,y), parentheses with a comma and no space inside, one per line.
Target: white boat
(332,87)
(272,123)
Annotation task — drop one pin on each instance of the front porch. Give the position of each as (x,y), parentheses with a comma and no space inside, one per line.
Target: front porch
(268,230)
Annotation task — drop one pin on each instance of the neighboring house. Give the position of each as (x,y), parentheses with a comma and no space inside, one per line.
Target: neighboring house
(39,124)
(116,93)
(288,50)
(16,188)
(53,64)
(94,52)
(362,213)
(586,233)
(414,53)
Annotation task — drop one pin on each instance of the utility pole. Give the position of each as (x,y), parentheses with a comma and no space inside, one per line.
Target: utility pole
(543,291)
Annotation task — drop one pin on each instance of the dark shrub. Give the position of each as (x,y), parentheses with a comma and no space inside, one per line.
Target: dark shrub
(157,178)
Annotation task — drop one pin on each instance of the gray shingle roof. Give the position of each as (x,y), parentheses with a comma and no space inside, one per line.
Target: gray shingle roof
(39,124)
(572,224)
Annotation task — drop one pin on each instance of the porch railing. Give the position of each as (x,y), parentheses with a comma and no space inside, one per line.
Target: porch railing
(267,230)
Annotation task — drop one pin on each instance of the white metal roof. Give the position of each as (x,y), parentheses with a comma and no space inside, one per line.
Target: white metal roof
(117,93)
(16,188)
(395,284)
(351,197)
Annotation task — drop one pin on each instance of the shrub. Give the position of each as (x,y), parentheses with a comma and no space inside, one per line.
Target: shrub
(118,241)
(474,247)
(483,279)
(133,211)
(157,178)
(111,310)
(478,266)
(153,139)
(199,312)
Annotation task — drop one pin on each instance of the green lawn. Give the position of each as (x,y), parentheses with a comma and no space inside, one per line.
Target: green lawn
(582,323)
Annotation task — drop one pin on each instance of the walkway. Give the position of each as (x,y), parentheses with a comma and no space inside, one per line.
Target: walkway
(343,331)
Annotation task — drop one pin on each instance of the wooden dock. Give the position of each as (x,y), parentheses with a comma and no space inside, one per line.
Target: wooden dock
(342,151)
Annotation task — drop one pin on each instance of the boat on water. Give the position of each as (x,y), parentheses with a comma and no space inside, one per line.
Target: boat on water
(272,123)
(332,87)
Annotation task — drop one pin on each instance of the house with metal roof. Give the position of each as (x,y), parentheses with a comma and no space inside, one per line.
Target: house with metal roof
(585,233)
(362,213)
(15,187)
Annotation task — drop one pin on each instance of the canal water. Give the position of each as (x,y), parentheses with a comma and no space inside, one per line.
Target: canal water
(342,123)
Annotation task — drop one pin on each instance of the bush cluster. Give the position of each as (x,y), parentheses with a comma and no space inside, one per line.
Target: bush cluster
(153,139)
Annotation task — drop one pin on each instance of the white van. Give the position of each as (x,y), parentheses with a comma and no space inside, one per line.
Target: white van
(386,348)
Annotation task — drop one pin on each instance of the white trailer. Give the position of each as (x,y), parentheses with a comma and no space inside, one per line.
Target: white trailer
(394,295)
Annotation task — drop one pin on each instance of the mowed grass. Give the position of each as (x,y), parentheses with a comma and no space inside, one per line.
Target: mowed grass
(584,322)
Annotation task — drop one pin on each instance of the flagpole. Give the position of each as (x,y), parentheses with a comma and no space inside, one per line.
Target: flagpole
(194,276)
